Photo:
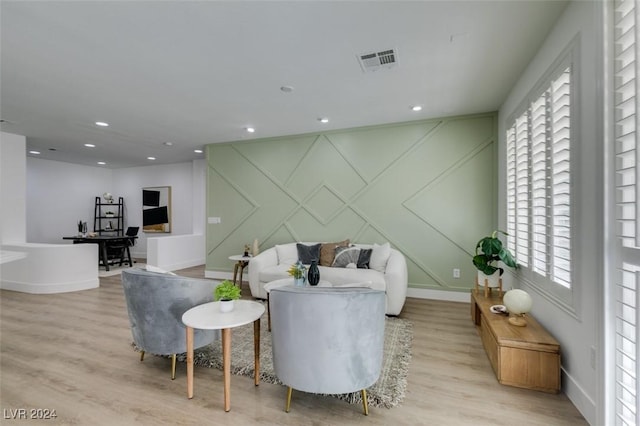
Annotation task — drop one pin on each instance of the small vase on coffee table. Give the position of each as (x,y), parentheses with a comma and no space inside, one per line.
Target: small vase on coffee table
(314,273)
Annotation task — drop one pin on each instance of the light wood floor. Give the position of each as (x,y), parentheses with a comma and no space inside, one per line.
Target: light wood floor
(71,352)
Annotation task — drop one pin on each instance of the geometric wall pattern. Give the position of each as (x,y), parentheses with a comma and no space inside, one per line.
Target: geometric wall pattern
(428,187)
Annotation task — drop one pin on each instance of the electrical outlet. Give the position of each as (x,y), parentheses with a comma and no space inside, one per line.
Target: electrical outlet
(456,273)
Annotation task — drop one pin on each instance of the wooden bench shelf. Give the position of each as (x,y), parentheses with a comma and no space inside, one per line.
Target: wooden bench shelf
(526,357)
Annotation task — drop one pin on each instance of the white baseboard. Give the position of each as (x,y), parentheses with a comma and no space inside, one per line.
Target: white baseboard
(449,296)
(583,402)
(181,265)
(219,275)
(50,288)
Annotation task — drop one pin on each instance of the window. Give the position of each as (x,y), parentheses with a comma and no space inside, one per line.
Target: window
(539,180)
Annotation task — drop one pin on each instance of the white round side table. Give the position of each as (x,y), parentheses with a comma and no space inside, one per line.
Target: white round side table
(209,317)
(241,262)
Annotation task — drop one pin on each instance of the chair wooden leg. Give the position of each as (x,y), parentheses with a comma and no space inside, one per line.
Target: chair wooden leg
(141,356)
(365,402)
(288,404)
(173,367)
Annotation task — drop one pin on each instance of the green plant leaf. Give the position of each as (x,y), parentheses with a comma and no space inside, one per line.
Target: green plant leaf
(491,246)
(508,259)
(482,263)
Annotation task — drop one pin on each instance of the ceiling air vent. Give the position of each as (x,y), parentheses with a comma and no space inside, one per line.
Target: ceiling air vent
(373,61)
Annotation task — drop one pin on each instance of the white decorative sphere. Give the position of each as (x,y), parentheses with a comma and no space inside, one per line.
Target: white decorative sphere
(107,196)
(517,301)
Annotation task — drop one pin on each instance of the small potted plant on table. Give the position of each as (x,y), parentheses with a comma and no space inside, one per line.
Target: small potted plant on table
(226,292)
(489,251)
(297,271)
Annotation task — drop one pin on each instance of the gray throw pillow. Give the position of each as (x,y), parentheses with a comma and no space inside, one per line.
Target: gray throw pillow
(346,256)
(306,254)
(363,258)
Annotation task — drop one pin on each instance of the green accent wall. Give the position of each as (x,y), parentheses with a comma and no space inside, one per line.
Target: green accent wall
(428,187)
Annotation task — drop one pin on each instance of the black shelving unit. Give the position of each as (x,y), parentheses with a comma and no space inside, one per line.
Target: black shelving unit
(108,218)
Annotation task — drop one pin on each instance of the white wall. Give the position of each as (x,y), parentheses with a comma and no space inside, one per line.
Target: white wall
(59,195)
(577,333)
(12,188)
(187,197)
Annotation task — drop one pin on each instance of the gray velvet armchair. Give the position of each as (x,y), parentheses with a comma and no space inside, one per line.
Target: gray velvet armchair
(327,340)
(156,302)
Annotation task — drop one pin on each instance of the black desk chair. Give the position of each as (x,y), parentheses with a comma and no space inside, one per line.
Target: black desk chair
(132,231)
(119,249)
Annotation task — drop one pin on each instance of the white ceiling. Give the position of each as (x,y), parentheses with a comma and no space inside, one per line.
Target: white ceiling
(194,73)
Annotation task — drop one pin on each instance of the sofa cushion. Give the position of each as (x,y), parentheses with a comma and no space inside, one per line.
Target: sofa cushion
(336,276)
(287,254)
(343,276)
(272,273)
(307,254)
(380,256)
(328,252)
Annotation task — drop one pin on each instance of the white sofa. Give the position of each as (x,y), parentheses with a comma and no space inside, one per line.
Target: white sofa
(391,278)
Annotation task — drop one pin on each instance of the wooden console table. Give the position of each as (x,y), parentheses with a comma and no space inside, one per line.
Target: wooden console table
(525,357)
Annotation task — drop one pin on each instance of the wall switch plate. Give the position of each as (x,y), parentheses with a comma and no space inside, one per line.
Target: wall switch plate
(456,273)
(213,220)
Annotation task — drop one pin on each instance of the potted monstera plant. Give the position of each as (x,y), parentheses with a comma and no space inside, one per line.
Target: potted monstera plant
(490,251)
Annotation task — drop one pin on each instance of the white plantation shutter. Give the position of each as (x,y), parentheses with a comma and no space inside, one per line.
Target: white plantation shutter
(627,263)
(522,190)
(511,188)
(539,181)
(626,350)
(560,111)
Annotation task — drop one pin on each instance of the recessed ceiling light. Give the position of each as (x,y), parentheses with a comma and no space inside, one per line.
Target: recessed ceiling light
(34,152)
(151,158)
(102,163)
(102,124)
(168,143)
(197,151)
(287,89)
(89,145)
(416,108)
(323,120)
(250,129)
